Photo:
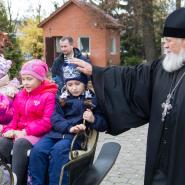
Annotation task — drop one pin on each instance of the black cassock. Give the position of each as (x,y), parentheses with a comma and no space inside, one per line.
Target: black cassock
(133,96)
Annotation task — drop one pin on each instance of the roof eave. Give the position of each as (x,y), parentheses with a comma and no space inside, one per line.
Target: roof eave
(113,26)
(41,24)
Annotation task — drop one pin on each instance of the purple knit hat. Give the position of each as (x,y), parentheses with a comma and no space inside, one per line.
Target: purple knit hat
(36,68)
(5,65)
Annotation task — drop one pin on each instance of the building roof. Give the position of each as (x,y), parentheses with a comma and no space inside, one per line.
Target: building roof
(91,9)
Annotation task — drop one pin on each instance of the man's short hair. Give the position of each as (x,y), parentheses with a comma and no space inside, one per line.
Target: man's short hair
(70,40)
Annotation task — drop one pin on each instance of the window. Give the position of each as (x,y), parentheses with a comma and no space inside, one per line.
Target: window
(84,45)
(113,46)
(57,45)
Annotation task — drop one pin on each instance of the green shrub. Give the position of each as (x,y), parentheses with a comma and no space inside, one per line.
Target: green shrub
(131,60)
(13,53)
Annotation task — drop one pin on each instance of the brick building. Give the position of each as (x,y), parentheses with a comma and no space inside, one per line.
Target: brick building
(94,32)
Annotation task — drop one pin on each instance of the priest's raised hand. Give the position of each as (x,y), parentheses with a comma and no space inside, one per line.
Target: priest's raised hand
(83,66)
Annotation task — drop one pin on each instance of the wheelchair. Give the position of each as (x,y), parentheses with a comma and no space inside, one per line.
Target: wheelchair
(81,168)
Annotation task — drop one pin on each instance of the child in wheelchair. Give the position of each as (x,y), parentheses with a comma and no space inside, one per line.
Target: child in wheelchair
(51,153)
(33,107)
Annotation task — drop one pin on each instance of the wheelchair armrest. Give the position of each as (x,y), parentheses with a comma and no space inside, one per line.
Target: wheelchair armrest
(80,159)
(91,145)
(95,173)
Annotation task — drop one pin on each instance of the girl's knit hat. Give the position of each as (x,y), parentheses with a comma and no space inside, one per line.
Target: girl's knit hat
(36,68)
(5,65)
(70,72)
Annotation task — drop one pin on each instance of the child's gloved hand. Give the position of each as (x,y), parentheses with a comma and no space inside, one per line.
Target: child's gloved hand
(78,128)
(88,116)
(9,134)
(19,133)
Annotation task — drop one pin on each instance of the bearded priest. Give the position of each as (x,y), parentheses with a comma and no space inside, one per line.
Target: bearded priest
(151,93)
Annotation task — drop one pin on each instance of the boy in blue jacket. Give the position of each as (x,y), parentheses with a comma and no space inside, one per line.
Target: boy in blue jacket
(52,152)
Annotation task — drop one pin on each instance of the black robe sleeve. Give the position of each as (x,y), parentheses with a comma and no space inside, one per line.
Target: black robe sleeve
(124,94)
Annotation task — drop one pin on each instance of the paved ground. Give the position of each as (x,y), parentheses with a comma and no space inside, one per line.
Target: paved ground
(129,166)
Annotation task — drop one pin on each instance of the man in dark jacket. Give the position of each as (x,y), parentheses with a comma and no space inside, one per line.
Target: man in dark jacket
(68,52)
(150,93)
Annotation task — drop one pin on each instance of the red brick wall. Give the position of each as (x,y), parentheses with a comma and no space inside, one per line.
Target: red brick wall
(74,21)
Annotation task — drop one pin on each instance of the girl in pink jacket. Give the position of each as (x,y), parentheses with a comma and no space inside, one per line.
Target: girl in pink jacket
(33,107)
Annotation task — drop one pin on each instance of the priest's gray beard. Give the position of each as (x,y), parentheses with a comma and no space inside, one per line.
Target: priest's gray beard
(173,62)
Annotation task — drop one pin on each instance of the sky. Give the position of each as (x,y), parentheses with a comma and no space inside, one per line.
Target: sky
(27,8)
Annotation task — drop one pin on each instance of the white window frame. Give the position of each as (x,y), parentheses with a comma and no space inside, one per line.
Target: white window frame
(57,44)
(113,46)
(80,47)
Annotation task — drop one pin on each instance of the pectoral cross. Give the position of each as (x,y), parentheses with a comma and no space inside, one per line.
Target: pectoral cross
(166,107)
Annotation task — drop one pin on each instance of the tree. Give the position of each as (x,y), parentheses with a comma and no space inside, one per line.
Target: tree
(139,26)
(4,23)
(142,22)
(161,9)
(131,40)
(31,39)
(178,4)
(11,51)
(129,16)
(148,30)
